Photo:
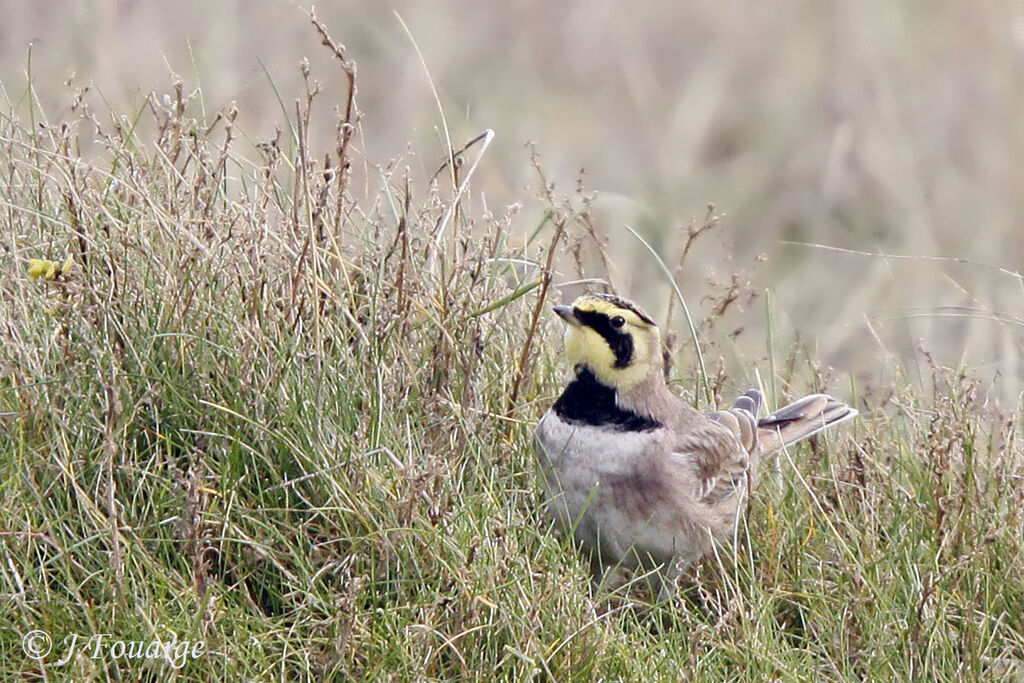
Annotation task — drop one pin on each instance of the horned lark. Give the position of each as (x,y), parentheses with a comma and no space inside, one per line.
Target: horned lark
(635,475)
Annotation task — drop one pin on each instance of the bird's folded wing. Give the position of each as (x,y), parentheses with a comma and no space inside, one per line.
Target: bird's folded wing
(741,419)
(716,455)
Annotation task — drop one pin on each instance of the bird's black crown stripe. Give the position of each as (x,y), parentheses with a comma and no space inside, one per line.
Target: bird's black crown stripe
(621,343)
(624,304)
(587,401)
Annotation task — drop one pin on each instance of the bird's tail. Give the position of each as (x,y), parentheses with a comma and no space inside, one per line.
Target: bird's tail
(800,419)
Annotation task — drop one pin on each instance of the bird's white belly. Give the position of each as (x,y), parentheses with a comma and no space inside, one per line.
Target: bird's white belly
(577,470)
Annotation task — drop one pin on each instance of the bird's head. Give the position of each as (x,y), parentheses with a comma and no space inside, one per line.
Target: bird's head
(613,338)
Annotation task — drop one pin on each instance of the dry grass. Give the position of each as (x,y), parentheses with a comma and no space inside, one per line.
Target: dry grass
(274,406)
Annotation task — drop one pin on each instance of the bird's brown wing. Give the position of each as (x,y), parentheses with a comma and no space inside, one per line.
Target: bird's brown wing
(715,458)
(722,448)
(741,419)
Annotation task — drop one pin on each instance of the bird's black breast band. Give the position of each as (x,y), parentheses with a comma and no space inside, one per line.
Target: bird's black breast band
(587,401)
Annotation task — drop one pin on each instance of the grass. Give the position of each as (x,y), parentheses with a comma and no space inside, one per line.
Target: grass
(266,408)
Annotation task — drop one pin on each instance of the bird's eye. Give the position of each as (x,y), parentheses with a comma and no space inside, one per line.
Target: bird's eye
(618,321)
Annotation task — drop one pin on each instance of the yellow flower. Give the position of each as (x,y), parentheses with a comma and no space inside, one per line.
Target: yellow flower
(37,268)
(48,270)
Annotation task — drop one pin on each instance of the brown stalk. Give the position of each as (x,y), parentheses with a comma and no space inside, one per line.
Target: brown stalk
(692,233)
(545,283)
(347,121)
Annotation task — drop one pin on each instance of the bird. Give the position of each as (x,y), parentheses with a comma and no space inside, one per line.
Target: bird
(637,477)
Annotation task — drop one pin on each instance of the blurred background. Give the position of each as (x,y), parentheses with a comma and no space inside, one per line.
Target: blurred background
(824,134)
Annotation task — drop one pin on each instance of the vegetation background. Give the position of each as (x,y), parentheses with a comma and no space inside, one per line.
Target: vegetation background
(281,397)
